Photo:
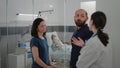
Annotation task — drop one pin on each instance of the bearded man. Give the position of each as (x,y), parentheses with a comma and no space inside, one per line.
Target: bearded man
(82,31)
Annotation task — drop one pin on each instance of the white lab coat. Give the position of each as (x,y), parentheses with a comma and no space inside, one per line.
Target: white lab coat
(95,55)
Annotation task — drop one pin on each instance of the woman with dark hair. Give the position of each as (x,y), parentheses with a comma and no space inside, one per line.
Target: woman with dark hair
(39,45)
(95,53)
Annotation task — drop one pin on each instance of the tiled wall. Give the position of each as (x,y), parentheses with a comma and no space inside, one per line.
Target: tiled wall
(24,30)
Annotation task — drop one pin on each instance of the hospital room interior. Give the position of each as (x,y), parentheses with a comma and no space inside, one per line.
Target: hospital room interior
(17,16)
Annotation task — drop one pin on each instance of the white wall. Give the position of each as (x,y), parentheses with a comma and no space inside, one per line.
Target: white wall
(18,6)
(29,7)
(90,7)
(62,15)
(70,7)
(54,18)
(111,8)
(3,12)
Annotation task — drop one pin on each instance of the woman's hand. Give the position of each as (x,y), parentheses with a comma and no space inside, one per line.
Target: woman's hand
(53,64)
(78,42)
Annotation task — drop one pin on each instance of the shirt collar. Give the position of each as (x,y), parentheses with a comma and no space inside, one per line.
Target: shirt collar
(94,34)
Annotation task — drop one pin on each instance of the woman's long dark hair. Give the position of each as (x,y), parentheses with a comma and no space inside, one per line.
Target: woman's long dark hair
(99,20)
(34,30)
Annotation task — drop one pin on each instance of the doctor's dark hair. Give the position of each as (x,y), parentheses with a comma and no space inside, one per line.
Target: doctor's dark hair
(99,20)
(34,29)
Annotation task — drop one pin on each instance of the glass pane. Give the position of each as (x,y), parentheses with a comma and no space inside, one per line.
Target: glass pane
(16,19)
(19,20)
(3,35)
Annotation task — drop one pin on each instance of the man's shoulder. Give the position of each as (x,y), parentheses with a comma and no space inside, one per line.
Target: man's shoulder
(84,28)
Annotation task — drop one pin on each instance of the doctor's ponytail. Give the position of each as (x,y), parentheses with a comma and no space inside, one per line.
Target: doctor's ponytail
(103,37)
(99,20)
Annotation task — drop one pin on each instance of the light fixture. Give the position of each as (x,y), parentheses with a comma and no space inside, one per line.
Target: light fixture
(35,15)
(20,14)
(46,11)
(50,6)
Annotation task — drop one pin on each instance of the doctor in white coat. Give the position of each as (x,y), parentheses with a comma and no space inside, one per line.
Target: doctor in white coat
(96,53)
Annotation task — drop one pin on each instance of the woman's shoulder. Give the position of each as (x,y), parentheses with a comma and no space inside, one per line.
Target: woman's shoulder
(94,43)
(94,40)
(34,39)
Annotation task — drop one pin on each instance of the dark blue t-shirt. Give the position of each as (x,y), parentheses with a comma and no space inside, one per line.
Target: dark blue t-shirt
(84,34)
(43,50)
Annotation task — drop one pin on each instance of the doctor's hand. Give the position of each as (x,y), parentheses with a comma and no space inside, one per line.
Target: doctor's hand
(78,42)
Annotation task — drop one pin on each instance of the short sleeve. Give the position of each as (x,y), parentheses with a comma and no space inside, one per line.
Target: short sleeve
(34,42)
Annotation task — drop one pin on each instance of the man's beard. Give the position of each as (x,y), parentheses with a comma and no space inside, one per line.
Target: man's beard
(79,23)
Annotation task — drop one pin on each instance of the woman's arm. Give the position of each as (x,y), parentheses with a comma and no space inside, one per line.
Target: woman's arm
(37,59)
